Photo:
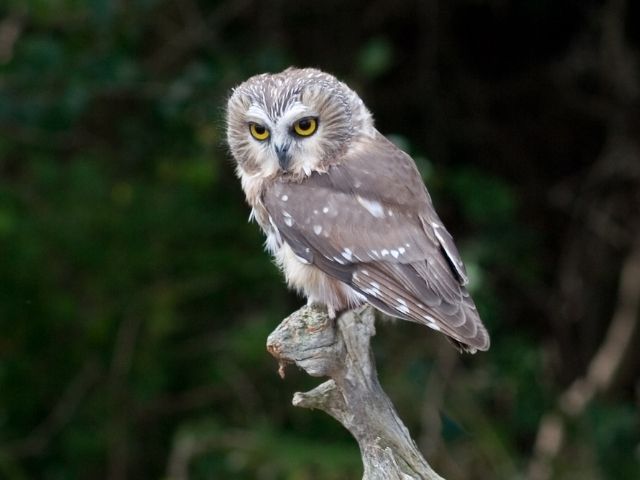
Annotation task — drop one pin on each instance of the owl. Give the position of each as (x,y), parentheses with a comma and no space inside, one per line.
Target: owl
(345,212)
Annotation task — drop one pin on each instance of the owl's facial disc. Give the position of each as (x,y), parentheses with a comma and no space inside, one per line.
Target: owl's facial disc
(291,135)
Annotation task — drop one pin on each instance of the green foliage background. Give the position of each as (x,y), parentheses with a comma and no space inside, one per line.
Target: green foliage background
(135,299)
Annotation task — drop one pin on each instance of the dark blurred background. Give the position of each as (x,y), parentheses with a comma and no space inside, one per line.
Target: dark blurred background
(135,299)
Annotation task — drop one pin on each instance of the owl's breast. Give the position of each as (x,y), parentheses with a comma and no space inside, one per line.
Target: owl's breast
(312,282)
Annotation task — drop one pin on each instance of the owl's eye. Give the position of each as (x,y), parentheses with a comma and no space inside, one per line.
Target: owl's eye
(305,126)
(259,132)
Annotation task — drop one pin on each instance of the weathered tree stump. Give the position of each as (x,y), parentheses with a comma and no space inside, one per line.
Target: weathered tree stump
(340,349)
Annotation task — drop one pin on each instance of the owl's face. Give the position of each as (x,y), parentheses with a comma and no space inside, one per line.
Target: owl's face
(293,122)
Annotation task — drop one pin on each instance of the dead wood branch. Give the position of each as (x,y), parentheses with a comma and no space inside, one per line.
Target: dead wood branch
(341,350)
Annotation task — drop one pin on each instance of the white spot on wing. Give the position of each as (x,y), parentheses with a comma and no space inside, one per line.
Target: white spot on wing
(372,206)
(325,210)
(429,319)
(384,252)
(302,260)
(317,229)
(401,250)
(394,253)
(284,198)
(449,248)
(373,289)
(402,305)
(347,254)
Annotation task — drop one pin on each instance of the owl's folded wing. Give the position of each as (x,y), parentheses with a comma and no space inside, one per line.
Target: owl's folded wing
(369,222)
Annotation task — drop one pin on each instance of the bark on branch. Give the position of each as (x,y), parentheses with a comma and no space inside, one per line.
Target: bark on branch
(341,350)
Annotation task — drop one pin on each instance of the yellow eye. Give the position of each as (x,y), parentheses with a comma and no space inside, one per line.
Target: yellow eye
(259,132)
(305,126)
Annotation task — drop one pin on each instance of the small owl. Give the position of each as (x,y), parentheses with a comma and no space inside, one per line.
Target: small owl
(345,212)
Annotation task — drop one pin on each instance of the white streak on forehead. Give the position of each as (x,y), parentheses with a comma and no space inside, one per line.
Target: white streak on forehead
(257,114)
(295,111)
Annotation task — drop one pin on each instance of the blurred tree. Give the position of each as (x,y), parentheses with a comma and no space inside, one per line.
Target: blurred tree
(135,299)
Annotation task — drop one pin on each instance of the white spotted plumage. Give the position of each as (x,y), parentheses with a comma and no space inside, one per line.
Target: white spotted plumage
(345,212)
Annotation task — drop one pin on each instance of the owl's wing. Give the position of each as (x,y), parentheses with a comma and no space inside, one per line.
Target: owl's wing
(369,222)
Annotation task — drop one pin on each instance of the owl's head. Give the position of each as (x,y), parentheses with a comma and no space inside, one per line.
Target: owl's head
(297,121)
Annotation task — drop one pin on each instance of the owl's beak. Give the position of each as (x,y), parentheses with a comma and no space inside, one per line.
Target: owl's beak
(282,151)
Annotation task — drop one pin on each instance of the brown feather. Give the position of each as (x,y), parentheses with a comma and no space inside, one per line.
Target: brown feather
(370,223)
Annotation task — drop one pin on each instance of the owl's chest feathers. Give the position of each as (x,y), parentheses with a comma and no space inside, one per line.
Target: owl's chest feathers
(312,282)
(308,279)
(300,275)
(255,186)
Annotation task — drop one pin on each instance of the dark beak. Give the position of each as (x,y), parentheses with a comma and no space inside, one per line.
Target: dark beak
(282,151)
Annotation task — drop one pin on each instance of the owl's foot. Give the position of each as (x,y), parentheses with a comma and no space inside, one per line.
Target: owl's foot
(330,310)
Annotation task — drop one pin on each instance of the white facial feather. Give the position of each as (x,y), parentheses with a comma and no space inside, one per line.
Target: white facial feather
(276,102)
